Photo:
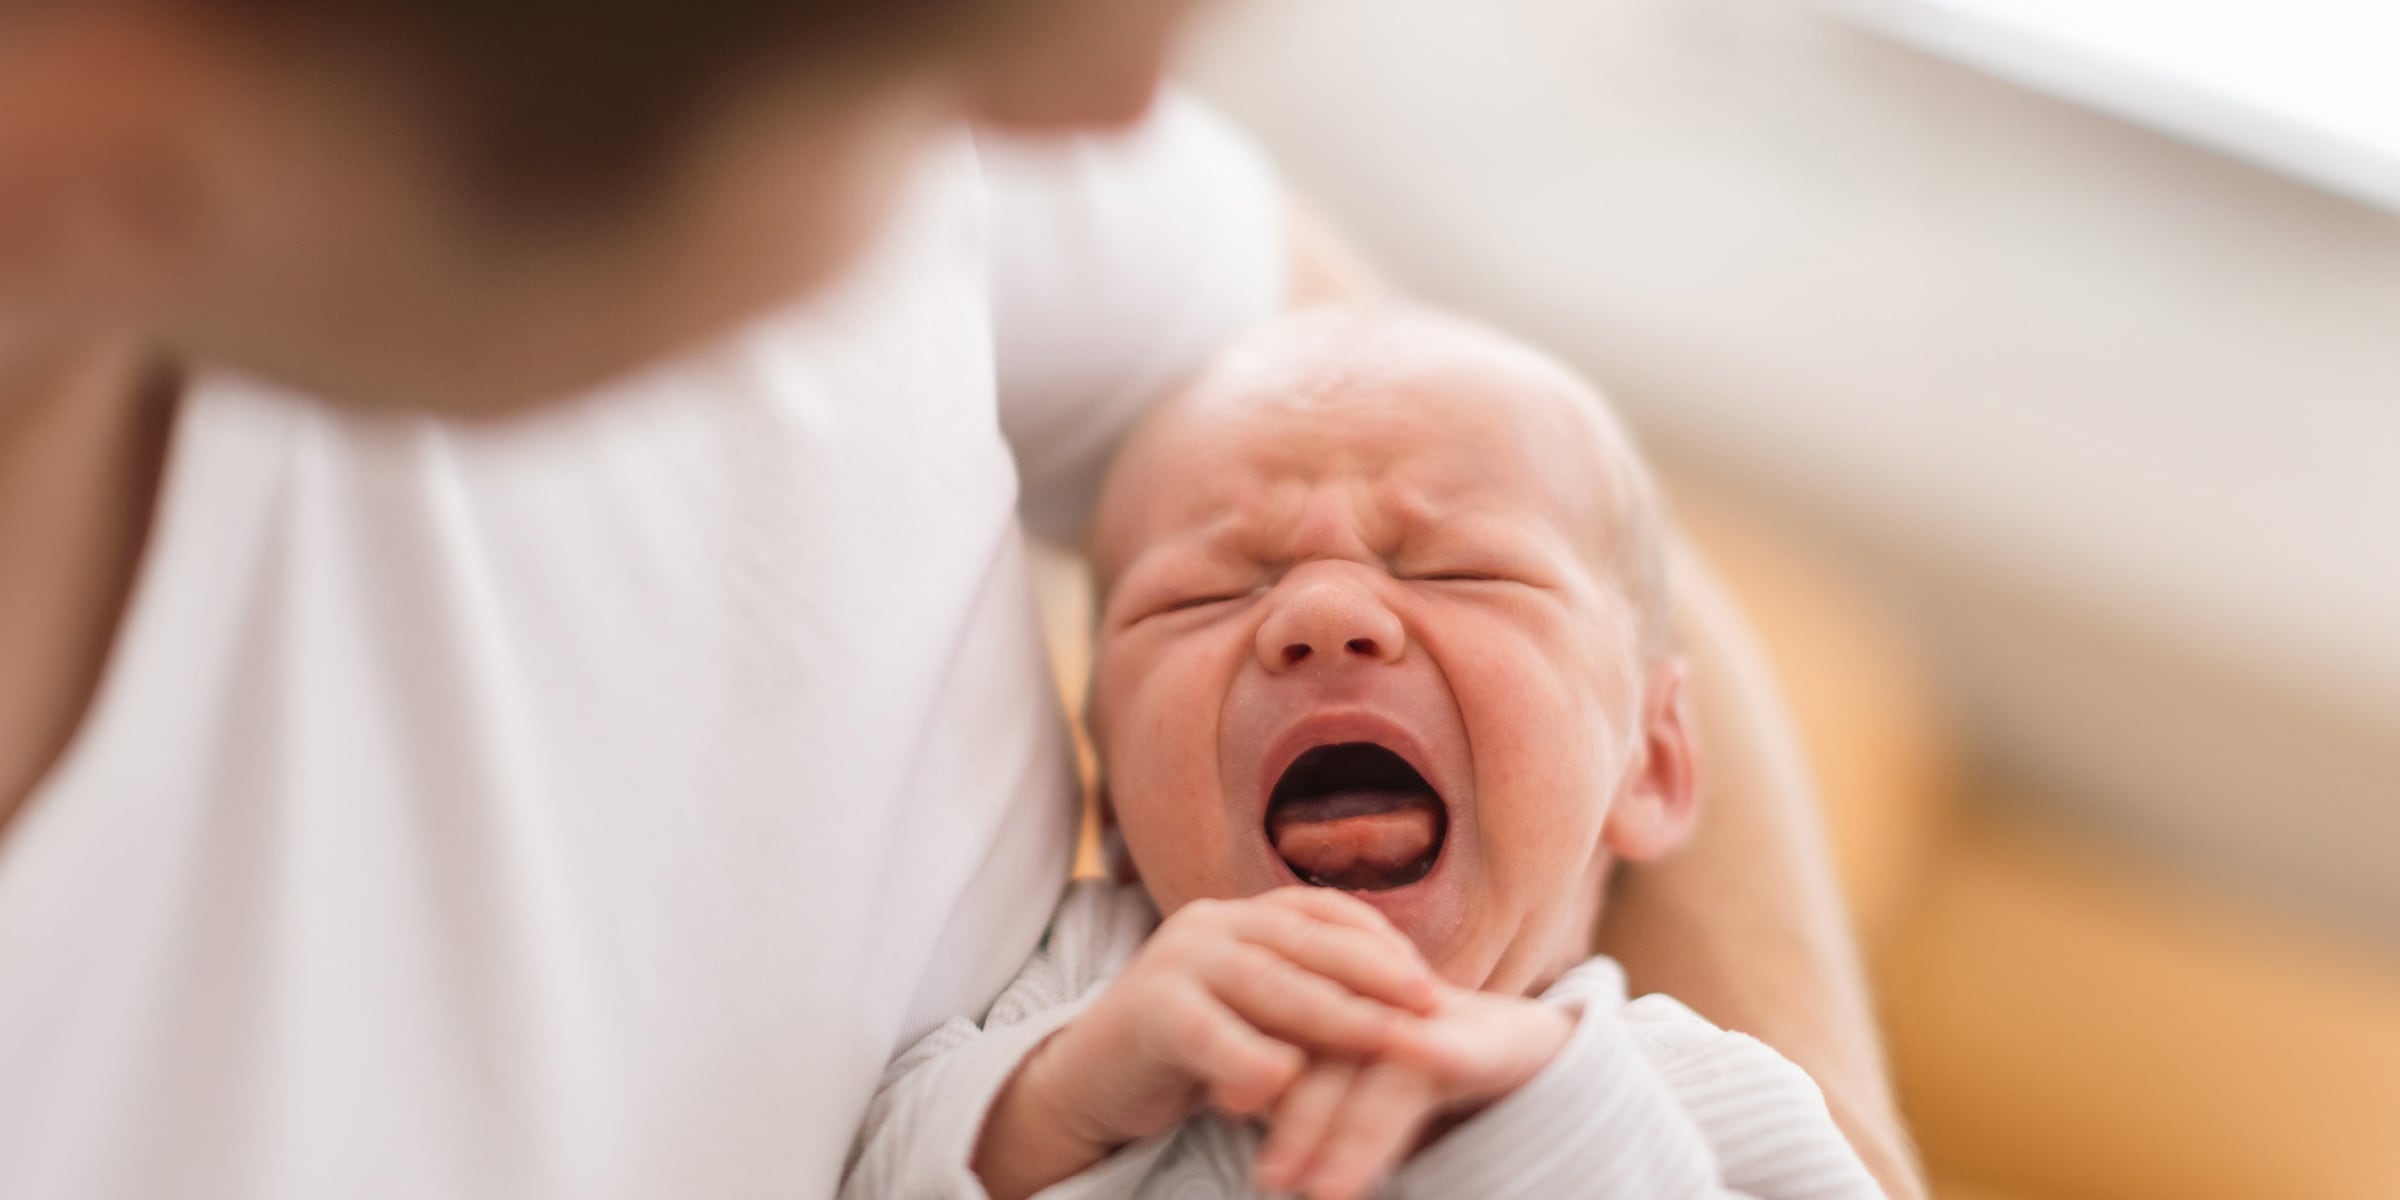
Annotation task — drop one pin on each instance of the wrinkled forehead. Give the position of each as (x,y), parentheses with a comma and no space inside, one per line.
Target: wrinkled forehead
(1425,413)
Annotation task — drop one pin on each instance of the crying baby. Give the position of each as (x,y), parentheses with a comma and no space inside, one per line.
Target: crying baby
(1384,686)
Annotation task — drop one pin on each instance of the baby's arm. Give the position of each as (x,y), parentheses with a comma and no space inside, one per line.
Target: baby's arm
(1221,1005)
(920,1130)
(1224,1004)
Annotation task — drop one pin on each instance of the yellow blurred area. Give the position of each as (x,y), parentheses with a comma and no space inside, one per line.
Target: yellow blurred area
(2063,1022)
(2071,1028)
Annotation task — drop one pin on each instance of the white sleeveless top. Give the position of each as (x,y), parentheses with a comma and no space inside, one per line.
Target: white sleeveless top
(589,807)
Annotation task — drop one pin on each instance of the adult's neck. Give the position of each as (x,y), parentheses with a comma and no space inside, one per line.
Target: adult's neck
(83,433)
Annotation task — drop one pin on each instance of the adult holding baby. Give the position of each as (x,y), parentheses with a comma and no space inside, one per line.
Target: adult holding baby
(399,802)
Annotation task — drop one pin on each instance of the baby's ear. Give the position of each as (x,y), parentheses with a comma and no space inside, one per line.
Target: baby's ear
(1659,803)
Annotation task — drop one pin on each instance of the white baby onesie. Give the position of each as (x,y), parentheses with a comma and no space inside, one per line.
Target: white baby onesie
(1648,1101)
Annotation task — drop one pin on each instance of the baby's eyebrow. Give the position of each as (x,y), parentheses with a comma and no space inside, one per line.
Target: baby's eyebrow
(1178,534)
(1227,534)
(1157,558)
(1416,505)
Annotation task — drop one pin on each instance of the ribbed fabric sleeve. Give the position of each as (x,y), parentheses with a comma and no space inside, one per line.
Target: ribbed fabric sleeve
(1765,1117)
(923,1134)
(1597,1122)
(1614,1116)
(918,1141)
(1647,1100)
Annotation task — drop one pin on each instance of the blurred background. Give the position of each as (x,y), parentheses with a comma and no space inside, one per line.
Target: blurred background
(2032,367)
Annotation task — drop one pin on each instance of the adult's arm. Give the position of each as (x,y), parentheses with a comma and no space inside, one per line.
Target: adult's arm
(1746,923)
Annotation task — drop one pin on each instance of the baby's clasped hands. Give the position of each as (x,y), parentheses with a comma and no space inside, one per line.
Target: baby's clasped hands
(1345,1124)
(1303,1007)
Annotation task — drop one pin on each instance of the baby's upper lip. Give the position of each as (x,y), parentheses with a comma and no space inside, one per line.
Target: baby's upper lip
(1338,724)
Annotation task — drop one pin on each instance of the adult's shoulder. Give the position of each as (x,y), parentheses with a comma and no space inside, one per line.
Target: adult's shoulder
(1119,263)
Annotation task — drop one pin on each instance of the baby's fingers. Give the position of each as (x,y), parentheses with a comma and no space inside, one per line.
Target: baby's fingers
(1300,1121)
(1368,963)
(1339,908)
(1483,1046)
(1242,1069)
(1296,1006)
(1379,1119)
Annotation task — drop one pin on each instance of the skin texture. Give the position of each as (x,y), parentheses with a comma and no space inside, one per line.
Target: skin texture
(1393,528)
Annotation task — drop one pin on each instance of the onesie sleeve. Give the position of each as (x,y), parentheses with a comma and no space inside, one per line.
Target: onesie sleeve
(1118,266)
(921,1128)
(1762,1115)
(1626,1112)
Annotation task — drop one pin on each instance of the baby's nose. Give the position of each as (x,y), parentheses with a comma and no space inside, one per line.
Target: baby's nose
(1328,619)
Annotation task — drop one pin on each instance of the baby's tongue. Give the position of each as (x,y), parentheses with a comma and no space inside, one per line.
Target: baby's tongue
(1356,841)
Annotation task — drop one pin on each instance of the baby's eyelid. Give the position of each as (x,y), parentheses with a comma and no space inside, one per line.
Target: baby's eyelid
(1191,602)
(1510,577)
(1187,603)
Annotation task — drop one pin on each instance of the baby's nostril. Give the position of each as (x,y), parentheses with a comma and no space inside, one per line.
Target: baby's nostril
(1295,652)
(1362,645)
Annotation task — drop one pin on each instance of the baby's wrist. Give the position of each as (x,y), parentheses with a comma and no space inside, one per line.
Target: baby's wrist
(1050,1076)
(1035,1134)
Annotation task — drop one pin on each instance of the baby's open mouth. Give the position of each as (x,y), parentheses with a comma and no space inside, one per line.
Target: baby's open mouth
(1356,816)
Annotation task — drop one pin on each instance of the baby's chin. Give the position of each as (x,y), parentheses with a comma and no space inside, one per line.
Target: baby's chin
(1433,912)
(1481,942)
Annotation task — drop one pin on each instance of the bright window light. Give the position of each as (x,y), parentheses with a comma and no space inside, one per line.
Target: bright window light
(2307,87)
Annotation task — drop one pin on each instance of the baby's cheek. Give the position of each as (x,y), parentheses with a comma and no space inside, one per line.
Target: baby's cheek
(1548,774)
(1163,772)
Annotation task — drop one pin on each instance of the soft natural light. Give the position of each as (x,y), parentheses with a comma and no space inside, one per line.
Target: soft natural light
(2310,87)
